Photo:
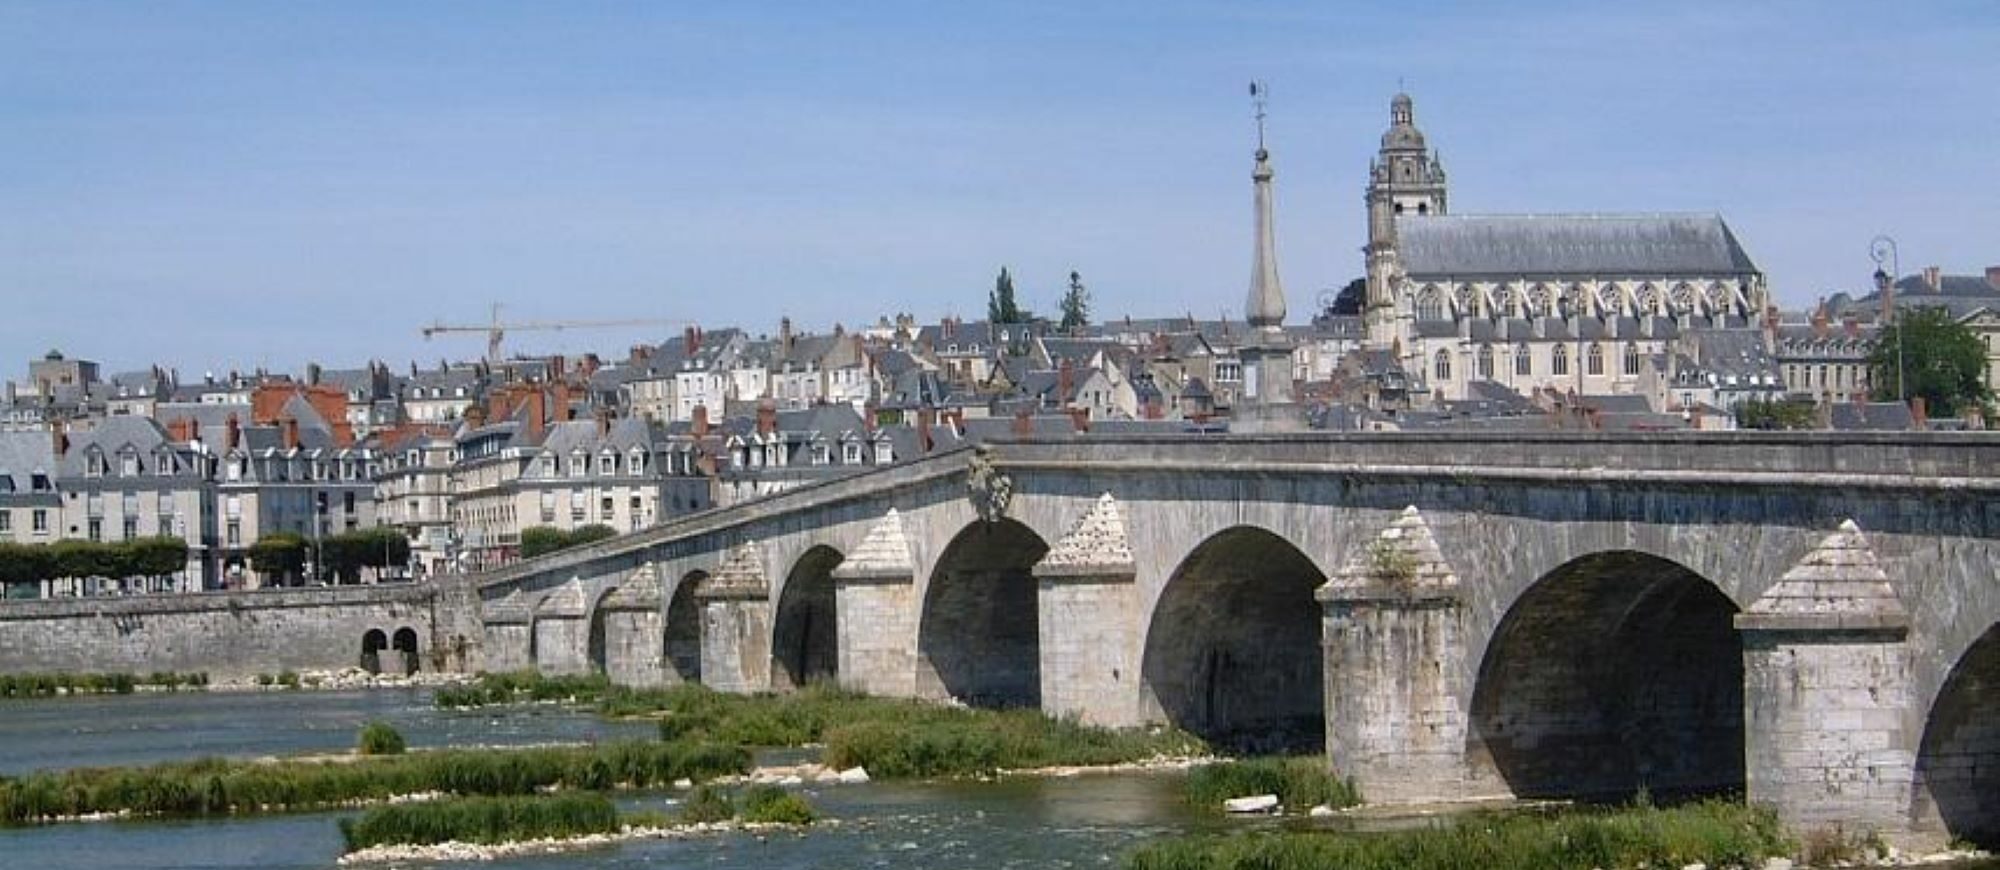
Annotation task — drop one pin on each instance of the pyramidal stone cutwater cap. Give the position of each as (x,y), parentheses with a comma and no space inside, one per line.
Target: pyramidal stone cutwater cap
(565,602)
(509,609)
(1838,585)
(641,591)
(1096,546)
(741,575)
(884,554)
(1402,562)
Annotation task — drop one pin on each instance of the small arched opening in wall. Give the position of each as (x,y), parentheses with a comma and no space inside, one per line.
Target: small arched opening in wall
(1233,649)
(683,635)
(804,635)
(597,643)
(1958,760)
(1615,672)
(404,642)
(980,630)
(372,645)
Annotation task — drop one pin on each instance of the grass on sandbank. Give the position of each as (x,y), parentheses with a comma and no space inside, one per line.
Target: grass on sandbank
(518,687)
(220,787)
(51,685)
(1300,782)
(1715,833)
(514,818)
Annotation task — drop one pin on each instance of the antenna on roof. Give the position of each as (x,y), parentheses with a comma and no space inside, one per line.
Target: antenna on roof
(1260,94)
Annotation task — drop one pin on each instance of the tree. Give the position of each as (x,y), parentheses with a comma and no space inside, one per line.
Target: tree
(541,541)
(1351,298)
(1075,304)
(280,554)
(1943,361)
(1774,414)
(591,534)
(23,567)
(159,556)
(1000,304)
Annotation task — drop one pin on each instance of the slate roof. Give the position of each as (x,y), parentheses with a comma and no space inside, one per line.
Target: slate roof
(22,454)
(1665,245)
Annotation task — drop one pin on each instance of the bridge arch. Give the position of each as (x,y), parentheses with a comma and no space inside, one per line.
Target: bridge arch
(979,632)
(1615,671)
(597,641)
(1232,652)
(804,631)
(372,644)
(1958,759)
(683,629)
(404,642)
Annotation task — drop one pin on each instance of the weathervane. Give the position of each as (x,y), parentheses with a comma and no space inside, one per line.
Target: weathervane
(1260,94)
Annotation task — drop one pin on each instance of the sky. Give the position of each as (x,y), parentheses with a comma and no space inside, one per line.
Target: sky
(234,185)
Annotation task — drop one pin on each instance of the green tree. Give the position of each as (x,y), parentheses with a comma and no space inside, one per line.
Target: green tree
(1075,304)
(1943,361)
(541,541)
(1774,414)
(23,568)
(280,554)
(159,556)
(1000,304)
(1349,301)
(590,534)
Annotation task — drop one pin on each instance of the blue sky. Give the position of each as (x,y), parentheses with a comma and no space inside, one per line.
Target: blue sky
(216,185)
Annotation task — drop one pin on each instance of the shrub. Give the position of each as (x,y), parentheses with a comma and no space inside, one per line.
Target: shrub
(1299,782)
(379,738)
(707,806)
(773,805)
(481,820)
(288,679)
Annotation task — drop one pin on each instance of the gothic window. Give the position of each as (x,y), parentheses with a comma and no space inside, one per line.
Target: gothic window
(1463,298)
(1593,361)
(1608,300)
(1683,299)
(1485,363)
(1443,365)
(1538,300)
(1559,360)
(1524,361)
(1649,299)
(1631,358)
(1430,304)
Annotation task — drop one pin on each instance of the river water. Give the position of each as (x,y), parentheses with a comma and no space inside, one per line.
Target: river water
(1086,821)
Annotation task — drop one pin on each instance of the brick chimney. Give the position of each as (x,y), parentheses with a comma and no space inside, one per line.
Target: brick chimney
(1920,417)
(1851,325)
(700,427)
(177,430)
(1819,322)
(767,417)
(558,366)
(1065,381)
(949,326)
(690,342)
(538,414)
(232,433)
(59,438)
(925,419)
(290,426)
(1993,277)
(785,334)
(1023,425)
(1934,278)
(194,430)
(313,372)
(1079,419)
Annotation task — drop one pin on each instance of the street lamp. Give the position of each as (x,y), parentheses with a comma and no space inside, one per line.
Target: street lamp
(1882,249)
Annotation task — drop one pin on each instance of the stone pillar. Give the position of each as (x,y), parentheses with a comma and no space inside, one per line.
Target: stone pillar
(507,625)
(1827,693)
(736,624)
(635,633)
(1087,601)
(562,631)
(875,609)
(1396,693)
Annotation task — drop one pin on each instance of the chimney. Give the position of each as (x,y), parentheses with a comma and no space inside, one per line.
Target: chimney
(1819,321)
(603,422)
(475,416)
(689,341)
(1079,419)
(232,433)
(1024,425)
(767,417)
(538,421)
(700,421)
(194,430)
(1851,325)
(868,412)
(1993,278)
(177,430)
(313,372)
(59,437)
(1920,417)
(291,429)
(950,327)
(785,334)
(925,419)
(1065,381)
(1695,417)
(1934,278)
(558,366)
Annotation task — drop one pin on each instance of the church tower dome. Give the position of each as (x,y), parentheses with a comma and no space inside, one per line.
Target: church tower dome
(1406,180)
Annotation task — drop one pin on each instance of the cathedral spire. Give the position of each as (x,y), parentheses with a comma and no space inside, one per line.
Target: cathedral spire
(1266,306)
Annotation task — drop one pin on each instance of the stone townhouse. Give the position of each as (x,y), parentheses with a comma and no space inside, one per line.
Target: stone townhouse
(440,395)
(694,369)
(30,506)
(413,494)
(778,450)
(129,477)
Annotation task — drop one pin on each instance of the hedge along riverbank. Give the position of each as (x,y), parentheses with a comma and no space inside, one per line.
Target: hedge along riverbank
(1716,833)
(219,787)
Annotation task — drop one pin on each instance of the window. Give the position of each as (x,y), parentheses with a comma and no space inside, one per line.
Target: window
(579,464)
(163,464)
(548,507)
(96,529)
(576,506)
(164,527)
(6,521)
(884,454)
(1593,359)
(128,504)
(850,453)
(604,507)
(39,521)
(131,528)
(1485,362)
(166,503)
(94,464)
(1631,358)
(1559,360)
(1442,366)
(1524,362)
(128,465)
(635,464)
(232,506)
(347,501)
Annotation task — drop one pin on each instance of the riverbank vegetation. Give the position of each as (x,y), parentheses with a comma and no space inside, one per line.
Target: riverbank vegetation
(483,820)
(522,687)
(50,685)
(1715,833)
(218,787)
(380,738)
(1299,782)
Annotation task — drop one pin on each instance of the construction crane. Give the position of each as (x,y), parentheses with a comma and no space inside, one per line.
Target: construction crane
(497,330)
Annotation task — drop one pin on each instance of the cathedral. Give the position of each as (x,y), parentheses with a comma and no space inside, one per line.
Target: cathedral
(1587,303)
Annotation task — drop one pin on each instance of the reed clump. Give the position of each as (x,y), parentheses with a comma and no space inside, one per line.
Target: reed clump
(769,804)
(1300,782)
(380,738)
(53,684)
(1715,833)
(218,787)
(521,687)
(485,820)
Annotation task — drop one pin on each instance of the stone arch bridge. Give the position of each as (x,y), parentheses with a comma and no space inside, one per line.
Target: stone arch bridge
(1806,617)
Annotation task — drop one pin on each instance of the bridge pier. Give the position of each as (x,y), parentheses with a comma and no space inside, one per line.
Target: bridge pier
(562,632)
(1395,649)
(875,605)
(1828,694)
(508,634)
(1087,607)
(633,646)
(736,625)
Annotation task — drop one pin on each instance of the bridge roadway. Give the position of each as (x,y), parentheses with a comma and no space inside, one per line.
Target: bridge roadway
(1808,617)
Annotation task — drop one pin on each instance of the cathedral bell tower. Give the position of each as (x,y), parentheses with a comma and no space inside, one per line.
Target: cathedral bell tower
(1406,179)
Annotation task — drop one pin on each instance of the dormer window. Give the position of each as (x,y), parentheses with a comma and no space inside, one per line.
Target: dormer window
(94,464)
(850,453)
(607,464)
(163,464)
(548,466)
(635,464)
(579,464)
(884,454)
